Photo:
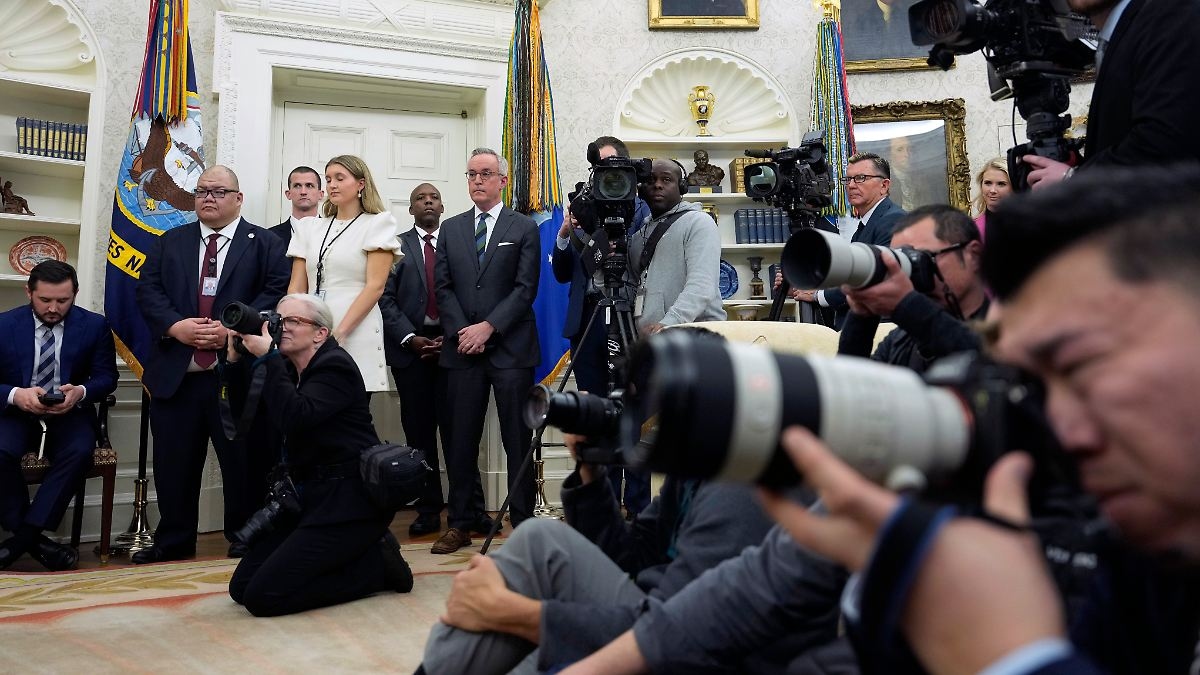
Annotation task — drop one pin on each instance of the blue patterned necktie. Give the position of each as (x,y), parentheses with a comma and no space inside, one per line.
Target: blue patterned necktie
(481,236)
(44,377)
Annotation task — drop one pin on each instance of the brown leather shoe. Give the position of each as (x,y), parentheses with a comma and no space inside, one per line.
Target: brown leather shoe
(450,542)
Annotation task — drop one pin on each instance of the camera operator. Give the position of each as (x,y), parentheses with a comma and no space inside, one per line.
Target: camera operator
(321,542)
(556,592)
(1145,96)
(678,285)
(589,353)
(1098,280)
(928,326)
(868,180)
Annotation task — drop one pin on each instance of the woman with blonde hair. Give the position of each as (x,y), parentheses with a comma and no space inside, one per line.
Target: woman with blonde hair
(344,258)
(994,185)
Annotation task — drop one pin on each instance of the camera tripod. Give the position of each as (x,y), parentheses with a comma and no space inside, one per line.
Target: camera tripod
(799,217)
(620,332)
(1041,97)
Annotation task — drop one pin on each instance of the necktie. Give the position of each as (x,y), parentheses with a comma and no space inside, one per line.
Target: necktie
(205,358)
(481,235)
(431,309)
(44,377)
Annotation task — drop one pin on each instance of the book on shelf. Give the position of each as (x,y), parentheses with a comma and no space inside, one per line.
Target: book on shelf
(60,140)
(741,233)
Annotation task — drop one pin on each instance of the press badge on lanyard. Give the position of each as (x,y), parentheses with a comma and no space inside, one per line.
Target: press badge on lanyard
(639,301)
(209,286)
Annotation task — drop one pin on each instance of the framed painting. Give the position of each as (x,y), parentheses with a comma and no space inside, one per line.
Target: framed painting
(695,14)
(926,145)
(875,37)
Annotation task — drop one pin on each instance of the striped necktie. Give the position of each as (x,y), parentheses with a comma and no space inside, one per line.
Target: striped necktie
(44,377)
(481,235)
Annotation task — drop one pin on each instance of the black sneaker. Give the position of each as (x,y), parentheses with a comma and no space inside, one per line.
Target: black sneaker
(395,570)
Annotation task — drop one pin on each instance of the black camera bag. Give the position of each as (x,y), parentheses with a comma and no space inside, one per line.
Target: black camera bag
(394,475)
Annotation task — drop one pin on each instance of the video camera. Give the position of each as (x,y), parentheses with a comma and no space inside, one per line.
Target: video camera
(797,180)
(607,198)
(815,259)
(1032,48)
(242,318)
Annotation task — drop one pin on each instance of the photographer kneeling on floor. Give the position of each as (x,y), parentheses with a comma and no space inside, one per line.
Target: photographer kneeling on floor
(320,540)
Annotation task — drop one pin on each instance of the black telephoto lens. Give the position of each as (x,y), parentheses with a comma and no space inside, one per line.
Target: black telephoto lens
(242,318)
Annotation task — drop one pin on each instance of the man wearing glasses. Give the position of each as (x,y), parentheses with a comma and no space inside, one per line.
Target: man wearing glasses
(928,326)
(190,275)
(486,276)
(867,180)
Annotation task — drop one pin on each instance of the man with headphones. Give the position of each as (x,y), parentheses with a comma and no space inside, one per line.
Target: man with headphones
(675,256)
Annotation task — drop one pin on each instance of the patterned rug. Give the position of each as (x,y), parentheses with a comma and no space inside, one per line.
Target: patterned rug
(177,617)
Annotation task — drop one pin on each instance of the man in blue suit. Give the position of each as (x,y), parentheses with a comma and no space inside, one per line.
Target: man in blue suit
(190,275)
(52,346)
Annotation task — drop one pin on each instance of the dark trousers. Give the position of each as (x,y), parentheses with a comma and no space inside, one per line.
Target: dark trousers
(301,568)
(468,389)
(590,357)
(70,440)
(264,451)
(183,425)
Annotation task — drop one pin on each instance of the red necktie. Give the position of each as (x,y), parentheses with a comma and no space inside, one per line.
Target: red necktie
(431,309)
(205,358)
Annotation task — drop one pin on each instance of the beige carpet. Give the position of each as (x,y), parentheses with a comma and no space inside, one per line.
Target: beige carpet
(178,618)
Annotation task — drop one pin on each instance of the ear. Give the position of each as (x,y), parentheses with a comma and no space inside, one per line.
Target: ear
(972,253)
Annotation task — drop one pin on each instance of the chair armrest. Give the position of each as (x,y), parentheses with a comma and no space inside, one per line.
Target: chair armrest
(102,421)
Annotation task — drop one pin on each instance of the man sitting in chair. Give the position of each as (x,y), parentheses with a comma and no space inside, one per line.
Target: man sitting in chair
(55,361)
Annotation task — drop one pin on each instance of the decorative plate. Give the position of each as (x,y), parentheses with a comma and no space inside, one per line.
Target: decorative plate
(27,253)
(728,282)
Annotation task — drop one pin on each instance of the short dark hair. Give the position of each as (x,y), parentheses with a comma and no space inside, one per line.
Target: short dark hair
(303,169)
(950,224)
(616,144)
(1143,218)
(881,164)
(53,272)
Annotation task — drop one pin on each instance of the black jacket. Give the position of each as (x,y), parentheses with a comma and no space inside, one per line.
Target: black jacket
(924,333)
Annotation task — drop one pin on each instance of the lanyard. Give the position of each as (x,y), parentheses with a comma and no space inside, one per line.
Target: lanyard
(210,264)
(325,248)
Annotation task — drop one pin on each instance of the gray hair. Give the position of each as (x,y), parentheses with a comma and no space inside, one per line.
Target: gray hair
(316,307)
(499,160)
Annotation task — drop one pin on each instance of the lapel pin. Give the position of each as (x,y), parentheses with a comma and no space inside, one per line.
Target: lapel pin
(251,235)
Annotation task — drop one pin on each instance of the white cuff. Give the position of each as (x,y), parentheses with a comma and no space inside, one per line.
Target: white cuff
(1029,658)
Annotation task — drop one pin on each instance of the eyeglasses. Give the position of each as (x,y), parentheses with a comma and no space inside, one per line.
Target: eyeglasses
(860,178)
(218,193)
(294,322)
(948,249)
(486,174)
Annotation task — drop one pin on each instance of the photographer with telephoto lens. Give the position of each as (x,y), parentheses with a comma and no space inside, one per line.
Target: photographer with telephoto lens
(320,540)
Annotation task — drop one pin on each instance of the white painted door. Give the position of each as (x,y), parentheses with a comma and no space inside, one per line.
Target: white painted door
(402,148)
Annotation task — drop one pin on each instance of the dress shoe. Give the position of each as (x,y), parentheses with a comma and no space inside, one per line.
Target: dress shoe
(396,571)
(426,523)
(483,525)
(156,554)
(237,550)
(10,550)
(450,542)
(53,556)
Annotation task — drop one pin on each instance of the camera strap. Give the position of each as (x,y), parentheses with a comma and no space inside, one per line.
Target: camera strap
(652,242)
(258,380)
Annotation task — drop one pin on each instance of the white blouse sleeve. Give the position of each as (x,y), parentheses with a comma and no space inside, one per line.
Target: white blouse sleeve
(382,234)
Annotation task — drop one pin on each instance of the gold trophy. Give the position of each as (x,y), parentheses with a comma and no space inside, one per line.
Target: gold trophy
(702,101)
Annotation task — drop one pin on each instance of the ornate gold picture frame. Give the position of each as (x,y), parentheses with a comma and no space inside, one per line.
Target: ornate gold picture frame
(876,38)
(919,139)
(703,14)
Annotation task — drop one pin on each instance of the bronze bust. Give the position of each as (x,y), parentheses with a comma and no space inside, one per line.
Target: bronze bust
(705,174)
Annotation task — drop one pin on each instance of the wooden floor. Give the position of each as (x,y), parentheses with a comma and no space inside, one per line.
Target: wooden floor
(214,545)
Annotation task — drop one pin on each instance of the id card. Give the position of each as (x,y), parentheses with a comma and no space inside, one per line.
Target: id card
(321,294)
(639,302)
(208,286)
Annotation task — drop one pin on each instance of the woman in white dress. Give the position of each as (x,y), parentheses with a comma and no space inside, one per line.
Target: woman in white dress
(344,257)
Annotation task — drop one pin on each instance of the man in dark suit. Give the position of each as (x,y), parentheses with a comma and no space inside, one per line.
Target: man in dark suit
(1145,98)
(412,340)
(868,179)
(486,277)
(304,192)
(51,345)
(190,275)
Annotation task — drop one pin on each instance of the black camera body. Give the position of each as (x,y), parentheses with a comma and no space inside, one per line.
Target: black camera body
(608,197)
(1032,48)
(282,509)
(242,318)
(52,397)
(597,417)
(797,180)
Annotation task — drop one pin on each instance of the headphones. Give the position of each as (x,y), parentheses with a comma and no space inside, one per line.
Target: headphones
(683,178)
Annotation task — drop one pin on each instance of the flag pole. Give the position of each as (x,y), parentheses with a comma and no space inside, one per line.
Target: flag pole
(138,535)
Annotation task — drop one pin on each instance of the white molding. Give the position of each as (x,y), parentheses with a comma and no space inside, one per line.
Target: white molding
(750,100)
(37,38)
